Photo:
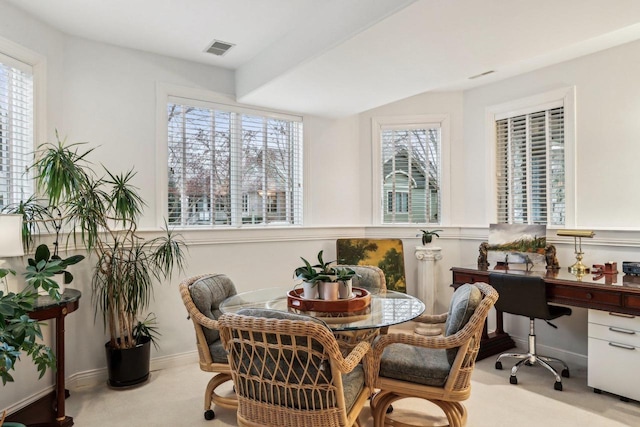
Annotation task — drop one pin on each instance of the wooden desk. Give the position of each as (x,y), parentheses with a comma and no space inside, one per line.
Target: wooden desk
(49,411)
(616,293)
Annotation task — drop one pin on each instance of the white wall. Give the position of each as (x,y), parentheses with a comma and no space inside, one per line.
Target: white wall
(106,95)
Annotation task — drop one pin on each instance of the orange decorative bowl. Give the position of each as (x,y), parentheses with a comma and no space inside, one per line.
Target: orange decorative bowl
(360,300)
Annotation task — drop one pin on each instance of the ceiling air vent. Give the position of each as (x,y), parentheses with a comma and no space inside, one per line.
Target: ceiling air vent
(219,47)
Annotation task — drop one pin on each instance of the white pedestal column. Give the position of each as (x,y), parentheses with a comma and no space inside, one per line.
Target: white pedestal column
(428,284)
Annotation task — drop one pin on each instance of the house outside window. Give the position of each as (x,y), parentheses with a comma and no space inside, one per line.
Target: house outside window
(234,157)
(410,171)
(533,143)
(16,130)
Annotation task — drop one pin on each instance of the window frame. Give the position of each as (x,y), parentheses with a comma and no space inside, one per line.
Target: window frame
(543,101)
(21,57)
(167,93)
(410,121)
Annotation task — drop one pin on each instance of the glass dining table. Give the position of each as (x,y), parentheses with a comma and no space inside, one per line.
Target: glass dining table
(386,308)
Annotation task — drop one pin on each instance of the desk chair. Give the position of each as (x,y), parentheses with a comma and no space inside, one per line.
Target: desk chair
(202,296)
(526,296)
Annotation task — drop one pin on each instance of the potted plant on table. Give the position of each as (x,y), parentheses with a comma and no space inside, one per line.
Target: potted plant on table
(323,280)
(19,333)
(102,213)
(49,272)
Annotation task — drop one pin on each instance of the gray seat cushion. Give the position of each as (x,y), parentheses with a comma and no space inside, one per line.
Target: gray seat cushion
(352,382)
(207,293)
(464,302)
(218,353)
(418,365)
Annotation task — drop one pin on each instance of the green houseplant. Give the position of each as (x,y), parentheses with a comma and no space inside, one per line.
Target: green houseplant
(427,236)
(48,271)
(102,213)
(323,280)
(19,333)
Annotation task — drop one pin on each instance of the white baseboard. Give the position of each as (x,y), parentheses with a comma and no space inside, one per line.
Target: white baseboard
(99,376)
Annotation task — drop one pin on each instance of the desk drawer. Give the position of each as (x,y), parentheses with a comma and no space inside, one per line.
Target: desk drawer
(615,334)
(462,278)
(626,321)
(613,369)
(560,292)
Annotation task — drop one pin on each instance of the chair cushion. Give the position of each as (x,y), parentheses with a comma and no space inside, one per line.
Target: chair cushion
(368,277)
(207,293)
(417,365)
(352,384)
(218,353)
(464,302)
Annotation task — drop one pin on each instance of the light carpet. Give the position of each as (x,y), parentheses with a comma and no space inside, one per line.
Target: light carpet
(174,397)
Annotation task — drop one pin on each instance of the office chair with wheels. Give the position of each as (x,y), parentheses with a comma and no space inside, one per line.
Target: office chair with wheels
(526,296)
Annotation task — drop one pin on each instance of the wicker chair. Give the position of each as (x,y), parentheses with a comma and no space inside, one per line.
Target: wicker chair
(201,296)
(437,369)
(288,371)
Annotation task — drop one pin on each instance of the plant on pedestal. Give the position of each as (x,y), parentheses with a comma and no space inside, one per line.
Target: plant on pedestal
(427,236)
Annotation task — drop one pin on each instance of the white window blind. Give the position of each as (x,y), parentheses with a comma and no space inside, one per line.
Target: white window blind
(531,168)
(411,173)
(229,167)
(16,131)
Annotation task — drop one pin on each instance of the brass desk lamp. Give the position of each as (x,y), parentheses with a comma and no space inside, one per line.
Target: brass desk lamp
(579,269)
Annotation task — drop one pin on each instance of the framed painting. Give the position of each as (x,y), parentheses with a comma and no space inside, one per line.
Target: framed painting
(387,254)
(517,244)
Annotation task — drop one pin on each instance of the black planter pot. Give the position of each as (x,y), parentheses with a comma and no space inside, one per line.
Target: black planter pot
(129,366)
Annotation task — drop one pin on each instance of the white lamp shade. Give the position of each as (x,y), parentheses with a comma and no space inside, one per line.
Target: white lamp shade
(11,236)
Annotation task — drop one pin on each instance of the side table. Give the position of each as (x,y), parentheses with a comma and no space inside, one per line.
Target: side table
(49,411)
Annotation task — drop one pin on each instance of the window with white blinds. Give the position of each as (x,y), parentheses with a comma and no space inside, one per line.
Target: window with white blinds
(531,168)
(411,173)
(16,131)
(232,167)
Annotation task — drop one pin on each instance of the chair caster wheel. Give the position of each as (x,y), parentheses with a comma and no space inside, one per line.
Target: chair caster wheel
(513,379)
(499,365)
(528,363)
(565,372)
(209,415)
(557,385)
(390,409)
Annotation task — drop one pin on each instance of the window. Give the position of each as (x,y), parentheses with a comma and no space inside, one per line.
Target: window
(401,203)
(245,164)
(531,168)
(16,130)
(410,167)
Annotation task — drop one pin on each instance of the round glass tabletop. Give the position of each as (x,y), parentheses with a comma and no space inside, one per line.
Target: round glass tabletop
(386,309)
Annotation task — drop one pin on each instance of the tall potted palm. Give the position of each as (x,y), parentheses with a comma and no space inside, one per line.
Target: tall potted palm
(102,213)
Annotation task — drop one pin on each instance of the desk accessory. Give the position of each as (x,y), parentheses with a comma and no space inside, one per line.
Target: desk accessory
(631,268)
(578,268)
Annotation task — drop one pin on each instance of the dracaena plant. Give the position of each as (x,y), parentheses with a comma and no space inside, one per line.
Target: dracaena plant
(102,213)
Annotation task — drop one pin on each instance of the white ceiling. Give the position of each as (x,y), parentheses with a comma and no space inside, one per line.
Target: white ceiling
(339,57)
